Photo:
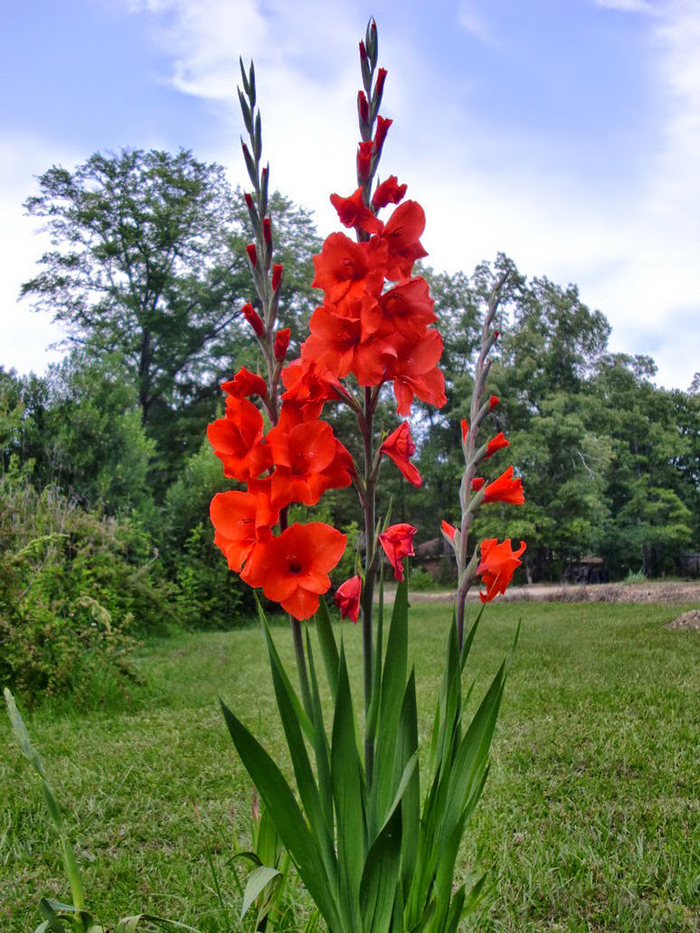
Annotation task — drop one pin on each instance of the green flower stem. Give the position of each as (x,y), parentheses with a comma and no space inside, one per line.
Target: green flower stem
(472,456)
(368,588)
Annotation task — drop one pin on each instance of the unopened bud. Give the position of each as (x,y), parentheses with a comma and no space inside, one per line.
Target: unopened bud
(248,201)
(252,254)
(379,87)
(362,106)
(364,159)
(254,319)
(477,483)
(379,137)
(281,343)
(276,275)
(267,230)
(363,51)
(493,401)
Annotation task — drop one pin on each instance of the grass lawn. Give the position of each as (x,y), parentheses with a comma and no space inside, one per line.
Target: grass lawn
(589,819)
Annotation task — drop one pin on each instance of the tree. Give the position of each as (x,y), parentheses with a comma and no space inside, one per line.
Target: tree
(148,265)
(141,265)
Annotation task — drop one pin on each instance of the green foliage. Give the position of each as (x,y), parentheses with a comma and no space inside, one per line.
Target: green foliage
(74,589)
(208,595)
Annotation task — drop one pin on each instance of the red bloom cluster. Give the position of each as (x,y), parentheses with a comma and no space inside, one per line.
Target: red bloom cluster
(377,335)
(296,461)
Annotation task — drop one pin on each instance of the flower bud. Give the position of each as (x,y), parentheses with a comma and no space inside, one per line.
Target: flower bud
(363,51)
(281,343)
(254,319)
(364,159)
(477,483)
(380,135)
(379,87)
(252,254)
(493,401)
(267,230)
(276,275)
(248,201)
(362,107)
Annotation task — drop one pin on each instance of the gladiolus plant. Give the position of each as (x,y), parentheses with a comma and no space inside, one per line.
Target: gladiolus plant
(375,850)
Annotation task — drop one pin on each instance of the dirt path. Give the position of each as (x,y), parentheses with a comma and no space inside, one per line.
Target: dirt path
(602,593)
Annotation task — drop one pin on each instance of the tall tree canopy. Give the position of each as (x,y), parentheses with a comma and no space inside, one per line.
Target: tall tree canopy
(141,264)
(148,266)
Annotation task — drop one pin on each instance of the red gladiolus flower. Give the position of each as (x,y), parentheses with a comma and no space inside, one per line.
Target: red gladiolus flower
(267,230)
(277,268)
(309,387)
(379,86)
(465,429)
(244,384)
(400,447)
(478,483)
(347,598)
(252,254)
(345,269)
(493,401)
(408,308)
(353,212)
(397,542)
(254,319)
(402,235)
(380,135)
(498,563)
(388,192)
(338,344)
(364,158)
(505,489)
(233,515)
(237,440)
(309,461)
(496,443)
(281,343)
(413,369)
(293,568)
(448,530)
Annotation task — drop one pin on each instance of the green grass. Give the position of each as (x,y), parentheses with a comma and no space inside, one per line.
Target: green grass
(589,819)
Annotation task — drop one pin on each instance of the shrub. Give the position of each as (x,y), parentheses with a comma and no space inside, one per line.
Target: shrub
(75,588)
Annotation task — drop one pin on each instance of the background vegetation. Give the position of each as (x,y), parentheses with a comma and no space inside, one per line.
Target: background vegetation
(106,476)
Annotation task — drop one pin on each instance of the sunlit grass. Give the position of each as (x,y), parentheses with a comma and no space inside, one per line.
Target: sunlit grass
(589,819)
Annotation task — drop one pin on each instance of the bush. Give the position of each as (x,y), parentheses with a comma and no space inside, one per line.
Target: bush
(75,588)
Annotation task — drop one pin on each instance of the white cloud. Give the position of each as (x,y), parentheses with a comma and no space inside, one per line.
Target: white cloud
(627,6)
(473,21)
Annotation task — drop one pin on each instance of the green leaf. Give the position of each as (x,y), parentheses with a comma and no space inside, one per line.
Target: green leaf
(329,648)
(348,795)
(378,888)
(274,657)
(258,880)
(456,911)
(306,782)
(393,687)
(322,750)
(285,812)
(34,758)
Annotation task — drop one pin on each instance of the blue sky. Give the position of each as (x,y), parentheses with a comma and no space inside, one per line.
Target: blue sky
(563,132)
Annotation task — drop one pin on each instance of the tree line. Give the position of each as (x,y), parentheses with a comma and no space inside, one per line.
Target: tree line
(147,274)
